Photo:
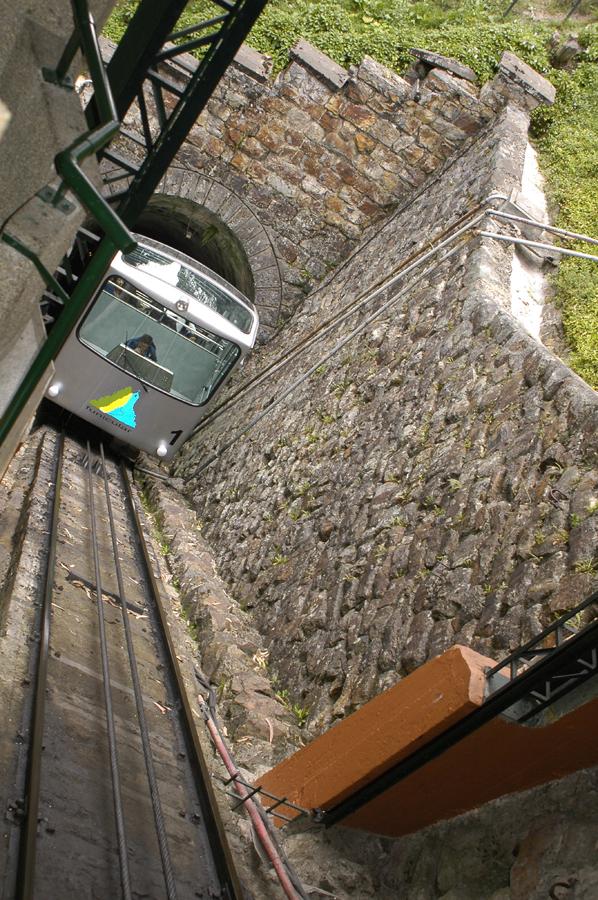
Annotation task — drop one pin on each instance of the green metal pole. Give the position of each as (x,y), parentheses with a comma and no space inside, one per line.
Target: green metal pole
(68,165)
(49,350)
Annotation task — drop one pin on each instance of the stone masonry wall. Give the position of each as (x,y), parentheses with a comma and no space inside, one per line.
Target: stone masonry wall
(300,165)
(435,482)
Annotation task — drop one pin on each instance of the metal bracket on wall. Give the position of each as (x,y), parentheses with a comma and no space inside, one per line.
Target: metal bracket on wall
(54,77)
(54,197)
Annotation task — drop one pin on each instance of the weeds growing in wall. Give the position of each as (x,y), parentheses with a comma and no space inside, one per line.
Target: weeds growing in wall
(475,32)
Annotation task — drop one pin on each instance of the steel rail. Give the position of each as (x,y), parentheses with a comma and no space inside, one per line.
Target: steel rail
(404,268)
(114,769)
(220,851)
(167,870)
(329,324)
(28,842)
(543,226)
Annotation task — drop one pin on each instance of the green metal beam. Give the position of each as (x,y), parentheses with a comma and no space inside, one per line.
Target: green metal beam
(201,85)
(133,60)
(140,44)
(79,299)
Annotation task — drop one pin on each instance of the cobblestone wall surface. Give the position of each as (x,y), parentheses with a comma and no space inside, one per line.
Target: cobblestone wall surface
(433,483)
(322,161)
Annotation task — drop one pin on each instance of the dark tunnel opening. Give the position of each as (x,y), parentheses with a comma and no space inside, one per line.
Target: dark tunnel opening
(192,229)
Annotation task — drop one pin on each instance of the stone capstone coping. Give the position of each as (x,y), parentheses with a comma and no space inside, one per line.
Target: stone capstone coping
(436,61)
(383,79)
(516,71)
(321,65)
(252,62)
(440,80)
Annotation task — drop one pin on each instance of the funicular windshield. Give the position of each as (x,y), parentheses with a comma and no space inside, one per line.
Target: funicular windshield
(156,344)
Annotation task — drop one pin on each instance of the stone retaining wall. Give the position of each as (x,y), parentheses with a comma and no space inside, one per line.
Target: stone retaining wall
(433,483)
(231,652)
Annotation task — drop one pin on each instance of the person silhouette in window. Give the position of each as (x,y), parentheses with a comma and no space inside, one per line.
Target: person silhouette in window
(144,345)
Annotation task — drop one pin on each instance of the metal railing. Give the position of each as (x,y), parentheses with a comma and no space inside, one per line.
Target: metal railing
(549,642)
(68,162)
(556,667)
(573,8)
(131,70)
(468,227)
(68,165)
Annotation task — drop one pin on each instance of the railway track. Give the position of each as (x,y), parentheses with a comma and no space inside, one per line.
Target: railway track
(114,796)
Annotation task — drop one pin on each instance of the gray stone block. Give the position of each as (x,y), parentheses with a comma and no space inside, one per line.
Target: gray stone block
(523,76)
(326,68)
(436,61)
(383,80)
(252,62)
(441,80)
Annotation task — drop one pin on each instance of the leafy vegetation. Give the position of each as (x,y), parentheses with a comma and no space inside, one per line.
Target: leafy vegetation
(567,141)
(475,32)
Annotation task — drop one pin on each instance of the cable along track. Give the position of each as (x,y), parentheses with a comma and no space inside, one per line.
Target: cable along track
(117,800)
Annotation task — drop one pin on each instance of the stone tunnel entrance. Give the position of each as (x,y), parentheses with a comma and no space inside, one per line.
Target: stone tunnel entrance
(195,230)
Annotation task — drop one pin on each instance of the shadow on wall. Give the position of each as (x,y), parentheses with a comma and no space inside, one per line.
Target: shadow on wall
(193,229)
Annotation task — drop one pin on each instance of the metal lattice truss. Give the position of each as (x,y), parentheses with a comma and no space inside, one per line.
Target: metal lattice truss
(274,809)
(134,75)
(564,655)
(167,110)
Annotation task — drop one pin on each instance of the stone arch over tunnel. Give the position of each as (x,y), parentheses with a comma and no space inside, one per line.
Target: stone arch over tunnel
(200,216)
(195,230)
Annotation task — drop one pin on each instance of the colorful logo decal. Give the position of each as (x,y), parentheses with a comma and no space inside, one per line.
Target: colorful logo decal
(120,405)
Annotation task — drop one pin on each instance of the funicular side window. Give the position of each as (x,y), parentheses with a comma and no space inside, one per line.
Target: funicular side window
(157,345)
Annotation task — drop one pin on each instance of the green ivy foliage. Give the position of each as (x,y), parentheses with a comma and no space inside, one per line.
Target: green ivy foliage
(567,143)
(475,32)
(348,30)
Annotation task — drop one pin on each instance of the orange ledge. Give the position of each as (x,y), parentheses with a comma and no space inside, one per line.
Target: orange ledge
(499,758)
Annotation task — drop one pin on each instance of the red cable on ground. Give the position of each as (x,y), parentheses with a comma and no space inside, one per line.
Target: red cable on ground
(249,804)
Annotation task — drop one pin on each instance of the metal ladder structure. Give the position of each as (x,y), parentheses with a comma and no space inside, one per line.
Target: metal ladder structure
(131,76)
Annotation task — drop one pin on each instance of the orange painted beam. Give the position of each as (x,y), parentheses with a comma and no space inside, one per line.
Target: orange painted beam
(499,758)
(387,729)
